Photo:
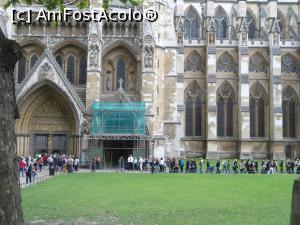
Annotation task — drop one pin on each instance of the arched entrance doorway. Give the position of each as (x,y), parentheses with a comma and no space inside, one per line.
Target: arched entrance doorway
(47,123)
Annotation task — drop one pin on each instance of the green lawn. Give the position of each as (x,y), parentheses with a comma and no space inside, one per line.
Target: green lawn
(160,199)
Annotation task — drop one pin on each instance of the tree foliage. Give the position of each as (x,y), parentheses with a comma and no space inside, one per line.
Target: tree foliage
(59,4)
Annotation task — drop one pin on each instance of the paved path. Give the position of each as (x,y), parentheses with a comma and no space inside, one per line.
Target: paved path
(44,175)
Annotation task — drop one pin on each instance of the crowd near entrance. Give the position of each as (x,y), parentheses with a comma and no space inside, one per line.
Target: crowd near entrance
(113,150)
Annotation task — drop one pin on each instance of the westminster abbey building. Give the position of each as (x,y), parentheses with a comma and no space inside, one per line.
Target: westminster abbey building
(211,79)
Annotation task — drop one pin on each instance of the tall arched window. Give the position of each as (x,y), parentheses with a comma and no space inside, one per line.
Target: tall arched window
(258,64)
(21,69)
(225,110)
(221,23)
(226,63)
(282,24)
(289,102)
(193,110)
(193,63)
(33,61)
(288,64)
(251,25)
(59,61)
(121,73)
(82,70)
(257,111)
(71,69)
(191,24)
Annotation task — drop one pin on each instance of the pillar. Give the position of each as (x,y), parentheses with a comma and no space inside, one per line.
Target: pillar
(93,83)
(211,106)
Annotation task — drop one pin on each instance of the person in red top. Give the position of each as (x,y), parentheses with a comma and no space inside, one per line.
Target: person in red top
(21,167)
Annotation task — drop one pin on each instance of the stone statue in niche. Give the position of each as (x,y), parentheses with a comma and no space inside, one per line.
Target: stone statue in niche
(211,32)
(179,31)
(108,83)
(94,55)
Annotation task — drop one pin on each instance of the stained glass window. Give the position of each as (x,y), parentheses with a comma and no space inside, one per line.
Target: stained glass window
(288,64)
(21,69)
(225,109)
(193,110)
(33,60)
(257,111)
(71,69)
(194,63)
(221,23)
(258,64)
(251,25)
(226,63)
(289,99)
(191,24)
(121,73)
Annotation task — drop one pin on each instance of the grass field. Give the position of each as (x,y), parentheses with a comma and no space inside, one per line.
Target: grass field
(107,198)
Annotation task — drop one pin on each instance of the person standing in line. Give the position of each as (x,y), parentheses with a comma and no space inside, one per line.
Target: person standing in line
(40,162)
(207,166)
(181,165)
(141,161)
(187,166)
(93,165)
(298,166)
(28,172)
(22,167)
(76,164)
(281,166)
(228,167)
(201,163)
(256,166)
(242,166)
(130,162)
(122,164)
(161,165)
(235,166)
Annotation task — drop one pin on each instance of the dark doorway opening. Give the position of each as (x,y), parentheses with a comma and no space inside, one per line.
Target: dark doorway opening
(113,150)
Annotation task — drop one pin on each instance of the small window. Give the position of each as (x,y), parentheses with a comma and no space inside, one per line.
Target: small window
(121,73)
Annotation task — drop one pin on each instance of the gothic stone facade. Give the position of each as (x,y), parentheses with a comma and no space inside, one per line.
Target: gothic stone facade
(219,78)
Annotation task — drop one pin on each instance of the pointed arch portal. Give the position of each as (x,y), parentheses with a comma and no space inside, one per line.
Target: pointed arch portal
(47,123)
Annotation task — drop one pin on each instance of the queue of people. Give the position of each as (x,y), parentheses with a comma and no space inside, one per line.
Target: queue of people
(30,167)
(180,165)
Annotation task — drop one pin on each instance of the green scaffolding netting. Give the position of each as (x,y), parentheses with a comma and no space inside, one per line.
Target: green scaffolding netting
(118,118)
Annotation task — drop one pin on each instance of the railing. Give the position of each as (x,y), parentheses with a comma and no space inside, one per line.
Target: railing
(37,180)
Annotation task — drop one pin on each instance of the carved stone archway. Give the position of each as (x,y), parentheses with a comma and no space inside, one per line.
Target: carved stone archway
(47,123)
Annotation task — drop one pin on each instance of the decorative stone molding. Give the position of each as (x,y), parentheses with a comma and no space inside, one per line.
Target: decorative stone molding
(46,71)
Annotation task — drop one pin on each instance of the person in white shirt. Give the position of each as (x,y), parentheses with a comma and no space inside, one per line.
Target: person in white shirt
(141,161)
(130,162)
(76,164)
